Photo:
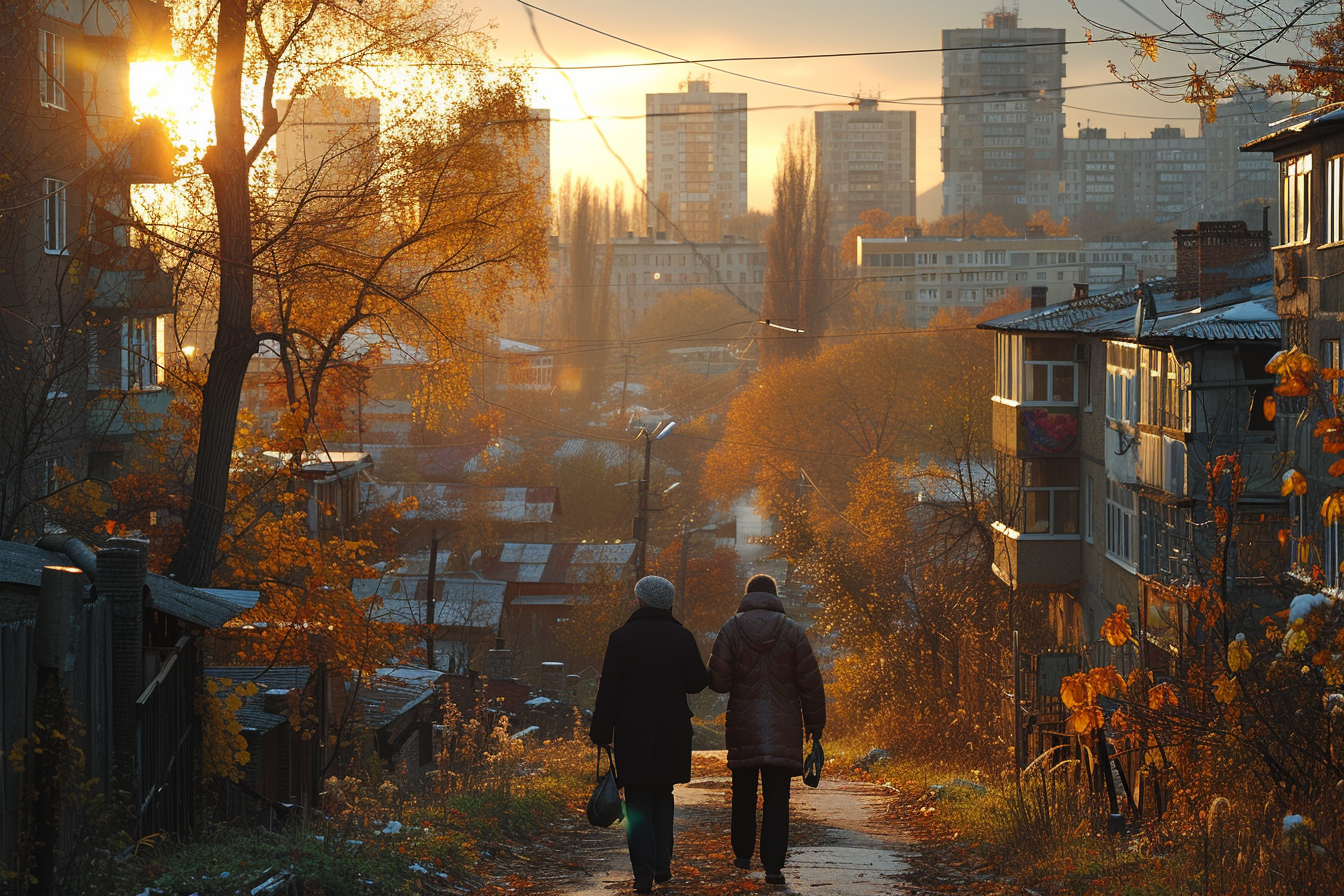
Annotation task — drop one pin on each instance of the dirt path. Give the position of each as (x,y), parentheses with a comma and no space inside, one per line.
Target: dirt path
(839,843)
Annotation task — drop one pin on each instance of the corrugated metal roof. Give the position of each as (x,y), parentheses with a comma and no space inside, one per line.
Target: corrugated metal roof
(383,700)
(473,603)
(450,500)
(22,564)
(571,563)
(1244,314)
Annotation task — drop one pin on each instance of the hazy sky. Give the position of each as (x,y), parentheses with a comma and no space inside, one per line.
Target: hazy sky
(701,28)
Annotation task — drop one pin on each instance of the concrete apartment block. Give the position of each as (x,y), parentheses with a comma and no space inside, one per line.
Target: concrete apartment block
(866,160)
(696,160)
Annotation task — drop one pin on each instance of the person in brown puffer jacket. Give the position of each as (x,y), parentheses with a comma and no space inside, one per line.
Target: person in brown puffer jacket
(763,660)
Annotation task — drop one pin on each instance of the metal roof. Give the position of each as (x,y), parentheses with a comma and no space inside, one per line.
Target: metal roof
(470,603)
(1289,130)
(269,680)
(22,564)
(383,700)
(450,500)
(1245,314)
(570,563)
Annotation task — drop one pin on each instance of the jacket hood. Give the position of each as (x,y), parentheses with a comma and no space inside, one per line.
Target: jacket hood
(761,619)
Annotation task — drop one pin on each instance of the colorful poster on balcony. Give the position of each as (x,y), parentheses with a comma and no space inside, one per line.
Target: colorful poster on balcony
(1049,433)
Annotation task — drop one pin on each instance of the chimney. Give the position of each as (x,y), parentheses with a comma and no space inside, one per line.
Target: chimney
(499,661)
(1038,296)
(121,581)
(1080,291)
(552,676)
(1215,257)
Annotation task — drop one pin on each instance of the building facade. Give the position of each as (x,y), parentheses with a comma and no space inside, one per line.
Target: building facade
(866,160)
(326,139)
(87,331)
(696,160)
(1003,118)
(1104,432)
(923,275)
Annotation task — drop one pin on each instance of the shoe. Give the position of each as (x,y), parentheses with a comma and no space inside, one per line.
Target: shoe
(662,878)
(744,864)
(775,877)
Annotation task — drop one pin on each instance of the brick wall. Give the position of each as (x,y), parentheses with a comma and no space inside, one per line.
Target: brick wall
(1216,256)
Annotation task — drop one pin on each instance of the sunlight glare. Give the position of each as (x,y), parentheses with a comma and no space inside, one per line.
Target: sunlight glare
(175,93)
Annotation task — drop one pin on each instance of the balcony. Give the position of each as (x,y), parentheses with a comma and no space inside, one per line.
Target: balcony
(1032,561)
(122,414)
(1035,430)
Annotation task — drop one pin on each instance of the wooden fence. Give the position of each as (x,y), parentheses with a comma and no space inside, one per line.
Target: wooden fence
(167,744)
(87,683)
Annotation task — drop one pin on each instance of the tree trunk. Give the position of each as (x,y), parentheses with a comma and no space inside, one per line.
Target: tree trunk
(227,165)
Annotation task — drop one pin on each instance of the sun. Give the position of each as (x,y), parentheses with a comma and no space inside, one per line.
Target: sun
(176,93)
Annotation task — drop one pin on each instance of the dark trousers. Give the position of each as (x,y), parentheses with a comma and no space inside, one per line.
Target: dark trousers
(774,815)
(648,830)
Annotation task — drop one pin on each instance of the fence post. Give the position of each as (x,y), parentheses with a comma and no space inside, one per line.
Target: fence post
(59,600)
(1019,750)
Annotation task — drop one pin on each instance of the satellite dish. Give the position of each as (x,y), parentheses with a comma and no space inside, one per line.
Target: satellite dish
(1145,310)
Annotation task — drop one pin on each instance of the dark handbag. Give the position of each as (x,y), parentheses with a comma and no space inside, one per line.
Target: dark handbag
(604,806)
(812,765)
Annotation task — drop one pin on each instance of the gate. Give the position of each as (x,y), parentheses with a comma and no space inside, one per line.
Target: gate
(167,744)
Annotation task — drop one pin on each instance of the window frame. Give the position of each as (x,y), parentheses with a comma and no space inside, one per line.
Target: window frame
(142,358)
(1121,525)
(51,70)
(1332,211)
(1295,200)
(55,216)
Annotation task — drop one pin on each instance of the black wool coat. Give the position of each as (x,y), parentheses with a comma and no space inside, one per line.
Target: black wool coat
(652,663)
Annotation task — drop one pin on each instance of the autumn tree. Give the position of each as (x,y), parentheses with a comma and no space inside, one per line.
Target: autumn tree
(445,217)
(584,316)
(797,286)
(1226,46)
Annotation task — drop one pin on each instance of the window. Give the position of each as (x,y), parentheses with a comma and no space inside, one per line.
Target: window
(1334,201)
(1050,497)
(53,216)
(141,353)
(1121,521)
(1049,371)
(1087,507)
(51,69)
(1121,405)
(1295,181)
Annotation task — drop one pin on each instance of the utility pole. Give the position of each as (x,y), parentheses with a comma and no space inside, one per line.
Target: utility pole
(681,570)
(429,598)
(642,509)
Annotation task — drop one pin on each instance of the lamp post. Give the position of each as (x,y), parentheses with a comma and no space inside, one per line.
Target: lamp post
(642,510)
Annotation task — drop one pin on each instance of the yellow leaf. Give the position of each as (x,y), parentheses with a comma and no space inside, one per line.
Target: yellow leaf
(1225,689)
(1148,46)
(233,703)
(1238,654)
(1084,719)
(1271,407)
(1332,508)
(1160,696)
(1296,641)
(1076,691)
(1292,483)
(1116,629)
(1105,680)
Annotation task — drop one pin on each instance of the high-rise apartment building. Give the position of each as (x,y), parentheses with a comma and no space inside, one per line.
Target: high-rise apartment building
(327,135)
(1003,118)
(696,154)
(866,160)
(1171,178)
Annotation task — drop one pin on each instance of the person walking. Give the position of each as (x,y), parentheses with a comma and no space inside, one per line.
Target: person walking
(764,662)
(652,663)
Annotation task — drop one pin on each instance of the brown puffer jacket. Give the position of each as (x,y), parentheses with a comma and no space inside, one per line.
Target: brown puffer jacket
(763,660)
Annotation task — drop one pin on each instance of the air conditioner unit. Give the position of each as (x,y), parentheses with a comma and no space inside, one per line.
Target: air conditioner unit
(1082,353)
